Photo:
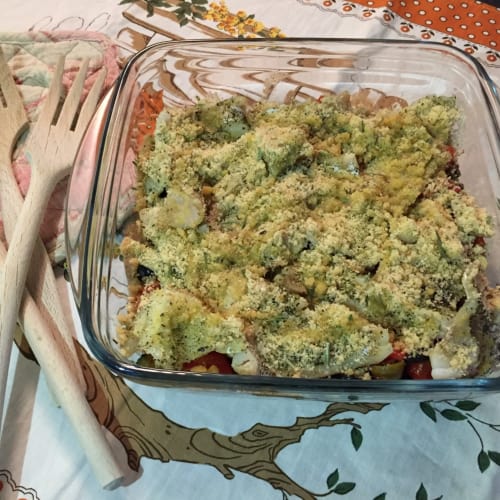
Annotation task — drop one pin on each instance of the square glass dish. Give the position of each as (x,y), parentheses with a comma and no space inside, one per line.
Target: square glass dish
(102,189)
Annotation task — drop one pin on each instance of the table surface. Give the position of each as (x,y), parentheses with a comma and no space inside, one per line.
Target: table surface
(214,446)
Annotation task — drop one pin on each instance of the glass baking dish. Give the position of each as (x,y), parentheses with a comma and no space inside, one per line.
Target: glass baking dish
(101,193)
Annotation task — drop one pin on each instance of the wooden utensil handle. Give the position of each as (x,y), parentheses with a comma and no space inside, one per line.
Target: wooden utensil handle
(40,280)
(63,382)
(16,268)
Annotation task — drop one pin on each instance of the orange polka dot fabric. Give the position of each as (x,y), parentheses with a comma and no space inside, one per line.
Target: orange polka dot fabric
(472,25)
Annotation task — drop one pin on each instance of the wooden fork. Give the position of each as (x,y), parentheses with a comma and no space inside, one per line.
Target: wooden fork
(51,149)
(12,113)
(41,280)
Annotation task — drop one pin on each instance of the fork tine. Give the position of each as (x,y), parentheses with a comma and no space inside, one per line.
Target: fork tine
(4,67)
(51,104)
(72,101)
(90,104)
(6,79)
(12,112)
(9,90)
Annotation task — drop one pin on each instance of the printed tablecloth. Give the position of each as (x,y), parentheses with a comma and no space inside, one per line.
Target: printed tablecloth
(186,445)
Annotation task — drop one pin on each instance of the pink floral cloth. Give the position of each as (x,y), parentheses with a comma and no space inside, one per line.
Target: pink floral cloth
(32,57)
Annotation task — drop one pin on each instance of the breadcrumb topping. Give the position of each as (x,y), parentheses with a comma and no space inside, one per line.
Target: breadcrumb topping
(313,237)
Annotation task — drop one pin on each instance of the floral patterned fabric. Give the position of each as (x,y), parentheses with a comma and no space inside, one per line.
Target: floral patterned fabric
(186,445)
(32,58)
(470,25)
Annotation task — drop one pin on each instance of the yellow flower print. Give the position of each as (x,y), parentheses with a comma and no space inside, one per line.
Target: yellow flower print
(239,24)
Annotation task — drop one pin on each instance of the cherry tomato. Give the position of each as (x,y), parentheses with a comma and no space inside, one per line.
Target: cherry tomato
(419,369)
(211,360)
(395,356)
(452,150)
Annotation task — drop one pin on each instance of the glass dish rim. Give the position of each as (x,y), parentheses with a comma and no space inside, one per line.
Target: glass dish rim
(261,383)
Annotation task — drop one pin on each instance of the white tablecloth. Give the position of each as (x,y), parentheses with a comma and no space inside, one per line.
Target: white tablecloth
(399,450)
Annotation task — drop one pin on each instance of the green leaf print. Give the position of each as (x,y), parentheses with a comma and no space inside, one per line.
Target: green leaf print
(483,461)
(421,493)
(467,405)
(453,415)
(332,479)
(474,421)
(339,488)
(344,488)
(356,438)
(184,11)
(428,410)
(494,456)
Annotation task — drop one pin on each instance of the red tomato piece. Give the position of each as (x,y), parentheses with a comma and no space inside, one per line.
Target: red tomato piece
(395,356)
(419,369)
(452,150)
(212,359)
